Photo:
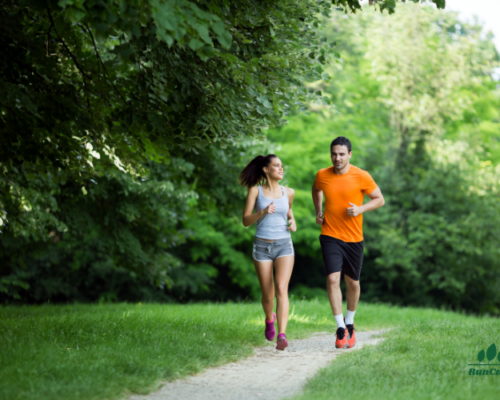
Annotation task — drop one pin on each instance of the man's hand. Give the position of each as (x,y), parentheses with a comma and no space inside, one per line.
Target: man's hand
(354,210)
(292,226)
(320,218)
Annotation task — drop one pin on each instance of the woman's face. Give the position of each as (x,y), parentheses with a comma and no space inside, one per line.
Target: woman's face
(274,170)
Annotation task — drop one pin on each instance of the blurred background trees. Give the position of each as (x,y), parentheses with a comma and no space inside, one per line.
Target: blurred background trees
(130,212)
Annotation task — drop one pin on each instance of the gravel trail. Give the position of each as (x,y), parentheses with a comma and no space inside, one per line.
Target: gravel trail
(268,375)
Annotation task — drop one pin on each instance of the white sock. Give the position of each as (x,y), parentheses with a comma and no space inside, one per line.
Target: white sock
(349,317)
(339,319)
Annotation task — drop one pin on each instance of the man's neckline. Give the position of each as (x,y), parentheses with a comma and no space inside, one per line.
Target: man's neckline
(344,174)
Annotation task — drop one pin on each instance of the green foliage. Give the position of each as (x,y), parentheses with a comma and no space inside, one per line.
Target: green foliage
(120,150)
(218,250)
(90,86)
(383,5)
(413,125)
(440,246)
(122,231)
(176,234)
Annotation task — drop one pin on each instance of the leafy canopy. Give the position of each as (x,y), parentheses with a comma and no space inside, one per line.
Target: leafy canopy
(91,85)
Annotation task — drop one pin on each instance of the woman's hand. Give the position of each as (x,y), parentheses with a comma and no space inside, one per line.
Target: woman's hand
(270,209)
(292,226)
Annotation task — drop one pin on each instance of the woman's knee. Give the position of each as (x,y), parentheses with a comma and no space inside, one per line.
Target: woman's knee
(268,298)
(281,290)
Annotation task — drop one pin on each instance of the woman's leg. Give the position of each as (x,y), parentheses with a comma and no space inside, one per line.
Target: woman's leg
(264,271)
(283,267)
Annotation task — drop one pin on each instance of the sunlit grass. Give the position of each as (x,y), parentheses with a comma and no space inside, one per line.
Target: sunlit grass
(106,351)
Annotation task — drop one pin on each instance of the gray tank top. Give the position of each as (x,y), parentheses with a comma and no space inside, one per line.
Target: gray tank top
(273,226)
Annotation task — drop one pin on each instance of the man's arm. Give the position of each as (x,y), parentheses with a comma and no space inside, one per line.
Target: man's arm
(317,196)
(376,201)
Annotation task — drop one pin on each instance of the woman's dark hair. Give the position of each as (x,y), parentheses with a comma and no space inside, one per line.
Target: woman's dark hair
(253,174)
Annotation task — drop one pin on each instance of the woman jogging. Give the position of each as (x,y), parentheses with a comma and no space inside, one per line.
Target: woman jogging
(273,243)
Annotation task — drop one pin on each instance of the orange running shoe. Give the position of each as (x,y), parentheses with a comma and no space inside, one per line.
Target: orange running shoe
(351,337)
(341,342)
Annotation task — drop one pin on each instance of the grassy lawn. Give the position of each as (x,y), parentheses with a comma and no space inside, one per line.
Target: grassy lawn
(108,351)
(423,358)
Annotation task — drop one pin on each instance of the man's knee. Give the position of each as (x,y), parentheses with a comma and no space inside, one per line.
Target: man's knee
(333,280)
(352,284)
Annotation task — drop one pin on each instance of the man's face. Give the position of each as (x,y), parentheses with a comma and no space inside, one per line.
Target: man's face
(340,156)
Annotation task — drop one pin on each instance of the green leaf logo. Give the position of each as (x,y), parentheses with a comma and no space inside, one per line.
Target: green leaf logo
(491,353)
(480,356)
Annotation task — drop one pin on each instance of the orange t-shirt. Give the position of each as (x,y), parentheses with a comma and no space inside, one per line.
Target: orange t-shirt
(339,191)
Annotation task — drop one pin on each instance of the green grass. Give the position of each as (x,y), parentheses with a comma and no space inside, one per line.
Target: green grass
(108,351)
(423,358)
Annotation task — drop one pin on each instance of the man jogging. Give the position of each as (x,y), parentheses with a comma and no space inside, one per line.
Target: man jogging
(344,187)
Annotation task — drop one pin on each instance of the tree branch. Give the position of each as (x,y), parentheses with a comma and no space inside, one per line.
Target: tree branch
(48,38)
(95,47)
(68,50)
(100,59)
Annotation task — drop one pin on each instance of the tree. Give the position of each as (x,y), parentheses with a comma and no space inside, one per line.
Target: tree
(89,88)
(88,85)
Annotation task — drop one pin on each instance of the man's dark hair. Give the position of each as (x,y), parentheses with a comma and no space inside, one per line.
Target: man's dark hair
(342,141)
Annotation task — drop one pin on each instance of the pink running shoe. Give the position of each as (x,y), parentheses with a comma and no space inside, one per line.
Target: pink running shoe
(270,332)
(282,342)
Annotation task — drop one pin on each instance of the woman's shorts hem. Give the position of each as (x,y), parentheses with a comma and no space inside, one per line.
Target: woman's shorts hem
(284,255)
(270,251)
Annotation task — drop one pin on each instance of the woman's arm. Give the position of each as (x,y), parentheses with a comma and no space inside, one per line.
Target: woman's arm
(291,219)
(248,217)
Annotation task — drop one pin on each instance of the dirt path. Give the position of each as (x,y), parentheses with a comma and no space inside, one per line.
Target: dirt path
(268,375)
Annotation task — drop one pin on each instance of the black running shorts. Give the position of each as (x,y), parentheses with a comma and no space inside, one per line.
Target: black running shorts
(342,256)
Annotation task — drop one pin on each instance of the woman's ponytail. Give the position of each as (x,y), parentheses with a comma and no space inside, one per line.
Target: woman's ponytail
(253,174)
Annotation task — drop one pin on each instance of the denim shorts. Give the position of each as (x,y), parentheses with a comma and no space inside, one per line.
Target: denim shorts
(270,251)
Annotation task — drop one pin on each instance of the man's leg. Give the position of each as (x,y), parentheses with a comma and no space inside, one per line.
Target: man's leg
(352,271)
(335,297)
(333,258)
(353,263)
(352,294)
(334,292)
